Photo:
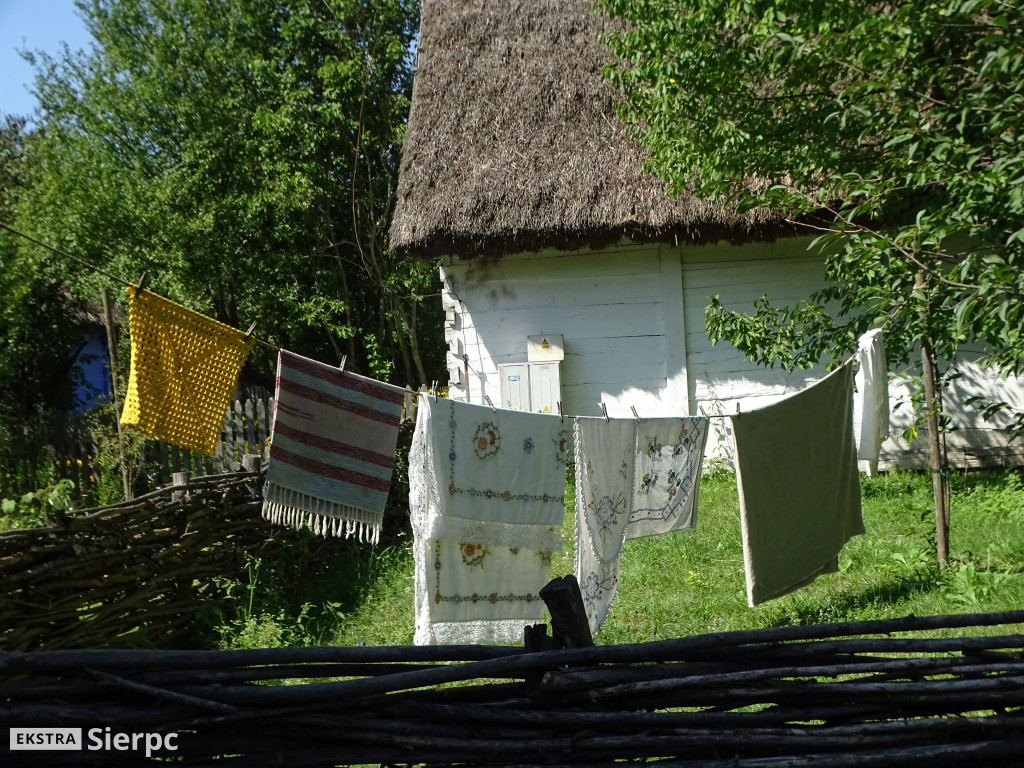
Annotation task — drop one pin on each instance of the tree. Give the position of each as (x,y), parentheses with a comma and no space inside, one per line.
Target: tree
(243,153)
(892,129)
(36,338)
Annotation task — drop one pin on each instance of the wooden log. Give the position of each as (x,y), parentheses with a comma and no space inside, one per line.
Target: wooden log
(64,661)
(179,481)
(569,623)
(252,463)
(160,694)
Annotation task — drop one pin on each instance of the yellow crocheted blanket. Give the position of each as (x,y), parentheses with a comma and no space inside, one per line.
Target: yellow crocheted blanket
(183,372)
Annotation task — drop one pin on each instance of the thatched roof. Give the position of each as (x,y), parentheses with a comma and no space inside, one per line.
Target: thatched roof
(513,143)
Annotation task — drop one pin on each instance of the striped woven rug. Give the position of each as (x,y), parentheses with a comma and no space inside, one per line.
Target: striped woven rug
(332,449)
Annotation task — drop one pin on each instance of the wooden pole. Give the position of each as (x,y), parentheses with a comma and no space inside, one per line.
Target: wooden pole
(935,453)
(569,622)
(108,321)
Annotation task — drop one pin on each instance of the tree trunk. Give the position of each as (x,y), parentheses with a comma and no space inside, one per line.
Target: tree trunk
(935,452)
(108,321)
(935,455)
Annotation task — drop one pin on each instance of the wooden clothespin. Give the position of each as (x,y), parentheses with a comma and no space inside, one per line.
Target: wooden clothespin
(341,365)
(635,414)
(251,329)
(140,284)
(702,411)
(737,406)
(433,389)
(604,412)
(561,416)
(488,399)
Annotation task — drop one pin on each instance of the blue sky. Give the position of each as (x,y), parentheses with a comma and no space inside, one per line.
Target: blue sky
(34,25)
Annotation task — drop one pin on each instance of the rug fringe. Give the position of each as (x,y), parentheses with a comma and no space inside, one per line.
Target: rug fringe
(294,509)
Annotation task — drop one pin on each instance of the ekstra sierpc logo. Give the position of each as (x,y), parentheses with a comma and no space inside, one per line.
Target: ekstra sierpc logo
(96,739)
(46,739)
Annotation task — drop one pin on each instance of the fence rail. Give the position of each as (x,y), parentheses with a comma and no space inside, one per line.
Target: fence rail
(245,431)
(130,574)
(850,694)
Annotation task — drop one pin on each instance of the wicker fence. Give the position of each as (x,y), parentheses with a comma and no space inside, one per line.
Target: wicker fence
(873,693)
(130,574)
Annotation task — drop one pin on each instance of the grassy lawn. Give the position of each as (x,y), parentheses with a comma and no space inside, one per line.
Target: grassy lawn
(691,582)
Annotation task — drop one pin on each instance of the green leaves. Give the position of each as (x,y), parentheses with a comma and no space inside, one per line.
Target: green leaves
(903,119)
(243,152)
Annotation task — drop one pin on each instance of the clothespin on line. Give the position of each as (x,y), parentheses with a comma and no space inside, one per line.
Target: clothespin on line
(635,414)
(140,284)
(561,416)
(341,365)
(251,329)
(433,389)
(488,399)
(604,411)
(702,411)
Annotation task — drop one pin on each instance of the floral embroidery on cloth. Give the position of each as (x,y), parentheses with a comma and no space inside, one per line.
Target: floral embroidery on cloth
(486,509)
(604,500)
(668,459)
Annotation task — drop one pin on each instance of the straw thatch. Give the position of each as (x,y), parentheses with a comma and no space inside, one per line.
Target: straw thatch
(513,142)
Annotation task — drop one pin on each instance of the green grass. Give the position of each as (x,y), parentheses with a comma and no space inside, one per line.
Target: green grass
(691,582)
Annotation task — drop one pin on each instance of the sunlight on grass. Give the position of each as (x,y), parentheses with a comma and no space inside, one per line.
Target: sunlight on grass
(692,582)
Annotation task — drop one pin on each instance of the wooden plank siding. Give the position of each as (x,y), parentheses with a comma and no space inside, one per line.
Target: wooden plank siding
(608,307)
(633,321)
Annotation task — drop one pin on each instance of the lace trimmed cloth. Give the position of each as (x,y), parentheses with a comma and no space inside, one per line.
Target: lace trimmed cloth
(332,449)
(183,372)
(666,480)
(486,496)
(633,479)
(604,502)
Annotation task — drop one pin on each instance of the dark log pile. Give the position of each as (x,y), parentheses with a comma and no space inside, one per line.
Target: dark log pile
(129,574)
(864,693)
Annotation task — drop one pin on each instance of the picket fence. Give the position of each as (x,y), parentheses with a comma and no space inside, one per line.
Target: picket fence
(246,430)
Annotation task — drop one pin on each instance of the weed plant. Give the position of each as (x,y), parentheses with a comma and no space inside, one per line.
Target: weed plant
(691,582)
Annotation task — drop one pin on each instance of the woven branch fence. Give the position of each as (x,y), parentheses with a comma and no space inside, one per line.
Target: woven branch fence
(133,573)
(853,694)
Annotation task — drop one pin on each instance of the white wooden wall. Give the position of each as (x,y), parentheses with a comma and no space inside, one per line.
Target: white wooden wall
(633,322)
(609,307)
(721,379)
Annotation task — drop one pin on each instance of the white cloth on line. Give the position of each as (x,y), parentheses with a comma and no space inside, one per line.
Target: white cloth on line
(667,460)
(796,470)
(605,451)
(871,401)
(486,493)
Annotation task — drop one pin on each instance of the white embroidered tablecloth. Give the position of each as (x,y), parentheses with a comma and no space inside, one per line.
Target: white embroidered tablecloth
(871,400)
(668,459)
(604,499)
(487,500)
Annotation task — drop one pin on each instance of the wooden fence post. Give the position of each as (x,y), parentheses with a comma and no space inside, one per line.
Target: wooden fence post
(253,462)
(179,478)
(569,623)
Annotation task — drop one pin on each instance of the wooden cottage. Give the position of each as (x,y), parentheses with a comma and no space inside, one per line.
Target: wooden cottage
(568,274)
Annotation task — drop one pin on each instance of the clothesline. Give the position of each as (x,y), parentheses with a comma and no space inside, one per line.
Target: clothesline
(127,283)
(604,412)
